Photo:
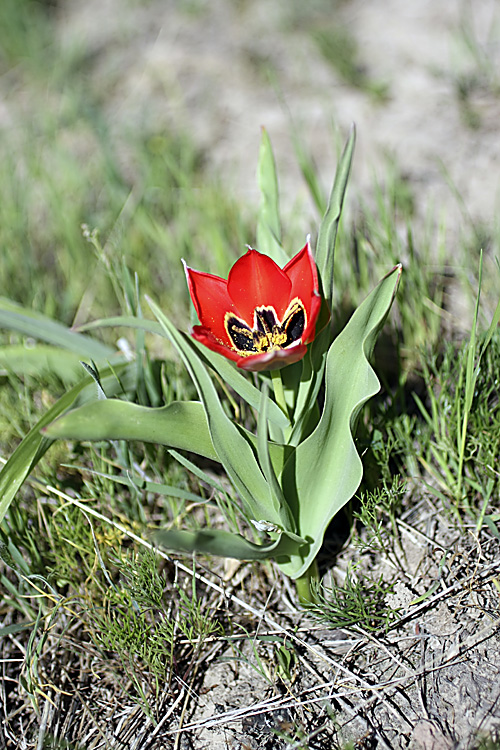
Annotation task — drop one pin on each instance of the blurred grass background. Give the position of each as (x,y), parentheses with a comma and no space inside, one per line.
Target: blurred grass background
(63,167)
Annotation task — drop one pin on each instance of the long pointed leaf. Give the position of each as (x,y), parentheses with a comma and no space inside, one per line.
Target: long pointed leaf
(306,409)
(233,450)
(135,481)
(265,459)
(269,226)
(328,229)
(325,470)
(240,383)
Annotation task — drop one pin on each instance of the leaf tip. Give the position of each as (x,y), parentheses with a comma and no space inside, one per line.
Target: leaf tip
(397,269)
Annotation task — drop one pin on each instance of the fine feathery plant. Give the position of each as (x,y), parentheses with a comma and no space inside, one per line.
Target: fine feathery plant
(356,603)
(298,467)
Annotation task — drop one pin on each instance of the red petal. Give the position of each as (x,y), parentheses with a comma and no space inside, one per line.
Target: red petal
(211,301)
(204,336)
(272,360)
(256,280)
(310,329)
(301,271)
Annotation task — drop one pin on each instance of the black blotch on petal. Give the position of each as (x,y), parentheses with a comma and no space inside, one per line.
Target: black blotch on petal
(294,325)
(240,334)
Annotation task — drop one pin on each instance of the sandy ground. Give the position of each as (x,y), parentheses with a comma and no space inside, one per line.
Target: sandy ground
(223,69)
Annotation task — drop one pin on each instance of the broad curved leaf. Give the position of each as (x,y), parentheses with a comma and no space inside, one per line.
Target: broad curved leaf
(325,470)
(181,425)
(225,544)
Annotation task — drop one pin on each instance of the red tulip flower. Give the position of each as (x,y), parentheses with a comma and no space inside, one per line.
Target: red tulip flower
(263,316)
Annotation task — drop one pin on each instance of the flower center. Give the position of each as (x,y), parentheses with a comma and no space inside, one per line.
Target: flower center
(267,332)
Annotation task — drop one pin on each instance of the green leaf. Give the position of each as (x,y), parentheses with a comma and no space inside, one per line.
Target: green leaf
(232,448)
(269,225)
(34,444)
(197,471)
(17,628)
(226,369)
(240,384)
(264,456)
(181,424)
(136,481)
(124,321)
(327,235)
(226,544)
(326,470)
(29,323)
(306,414)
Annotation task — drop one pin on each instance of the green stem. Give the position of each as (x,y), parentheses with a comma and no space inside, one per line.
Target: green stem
(304,583)
(279,391)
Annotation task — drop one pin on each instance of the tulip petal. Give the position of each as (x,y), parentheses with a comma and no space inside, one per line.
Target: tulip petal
(256,280)
(263,316)
(301,270)
(274,359)
(310,329)
(211,301)
(206,337)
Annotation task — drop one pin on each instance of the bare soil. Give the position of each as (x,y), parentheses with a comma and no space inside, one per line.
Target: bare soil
(222,70)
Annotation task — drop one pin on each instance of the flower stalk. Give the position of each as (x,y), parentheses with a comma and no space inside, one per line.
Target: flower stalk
(303,583)
(279,391)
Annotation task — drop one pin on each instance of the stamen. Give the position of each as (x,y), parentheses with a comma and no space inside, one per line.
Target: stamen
(268,333)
